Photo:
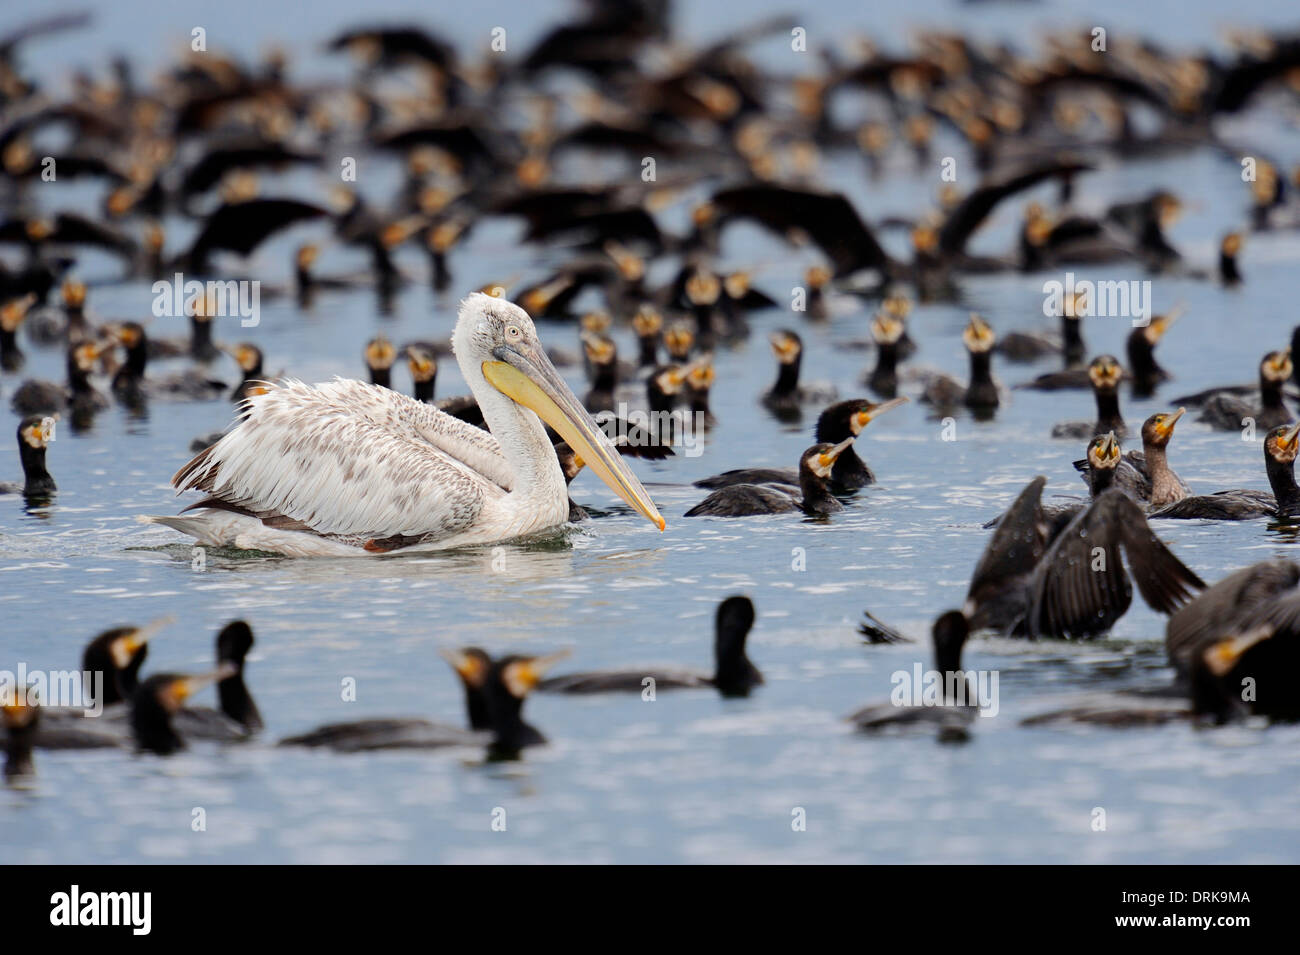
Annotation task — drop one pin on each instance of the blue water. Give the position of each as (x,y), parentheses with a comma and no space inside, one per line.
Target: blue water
(689,777)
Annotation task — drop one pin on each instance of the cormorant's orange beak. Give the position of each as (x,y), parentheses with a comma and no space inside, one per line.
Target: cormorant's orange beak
(1166,427)
(468,667)
(1162,323)
(522,676)
(826,460)
(1222,656)
(867,415)
(1289,438)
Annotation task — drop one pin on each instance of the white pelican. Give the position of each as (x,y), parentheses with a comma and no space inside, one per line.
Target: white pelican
(347,467)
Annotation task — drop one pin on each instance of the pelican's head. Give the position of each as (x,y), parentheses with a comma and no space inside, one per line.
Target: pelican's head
(499,337)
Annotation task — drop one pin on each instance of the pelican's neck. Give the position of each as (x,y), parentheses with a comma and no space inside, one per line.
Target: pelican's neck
(521,435)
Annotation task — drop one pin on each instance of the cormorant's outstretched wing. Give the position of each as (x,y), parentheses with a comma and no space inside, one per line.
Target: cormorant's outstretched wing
(829,219)
(974,209)
(875,630)
(71,228)
(243,226)
(1011,556)
(463,140)
(1081,585)
(1237,84)
(393,45)
(207,172)
(52,24)
(1239,601)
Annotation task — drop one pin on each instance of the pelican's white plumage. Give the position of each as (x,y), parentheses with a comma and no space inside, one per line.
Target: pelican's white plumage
(347,467)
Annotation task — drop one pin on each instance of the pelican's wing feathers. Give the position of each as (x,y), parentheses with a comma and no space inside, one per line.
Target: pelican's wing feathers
(347,458)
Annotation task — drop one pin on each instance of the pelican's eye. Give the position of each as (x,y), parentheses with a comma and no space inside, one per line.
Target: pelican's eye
(513,333)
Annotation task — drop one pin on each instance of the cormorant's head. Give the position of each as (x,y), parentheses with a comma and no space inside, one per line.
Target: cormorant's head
(1276,365)
(380,354)
(248,356)
(1104,451)
(821,458)
(18,716)
(679,339)
(668,380)
(1282,443)
(817,276)
(1168,208)
(595,323)
(1159,324)
(700,375)
(234,641)
(1231,245)
(887,329)
(537,300)
(949,633)
(703,287)
(1159,428)
(34,431)
(13,312)
(647,322)
(733,673)
(1038,226)
(787,346)
(471,665)
(703,214)
(1076,306)
(520,675)
(599,349)
(736,285)
(73,293)
(631,267)
(978,336)
(306,255)
(1105,373)
(896,304)
(918,129)
(128,334)
(422,362)
(925,238)
(846,418)
(84,355)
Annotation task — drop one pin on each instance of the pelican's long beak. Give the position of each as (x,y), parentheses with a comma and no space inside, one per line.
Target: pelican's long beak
(525,375)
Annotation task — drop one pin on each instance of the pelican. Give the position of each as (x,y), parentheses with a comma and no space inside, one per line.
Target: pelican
(350,468)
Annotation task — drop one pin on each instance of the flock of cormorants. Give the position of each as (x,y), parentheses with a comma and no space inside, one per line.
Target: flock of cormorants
(490,138)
